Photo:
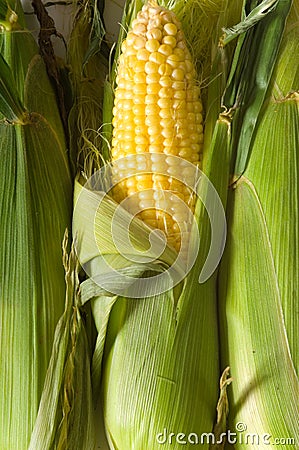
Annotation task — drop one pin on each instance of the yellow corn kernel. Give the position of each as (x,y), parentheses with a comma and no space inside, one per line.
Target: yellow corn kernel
(170,29)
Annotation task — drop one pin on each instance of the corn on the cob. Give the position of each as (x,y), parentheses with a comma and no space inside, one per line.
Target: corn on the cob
(35,196)
(157,109)
(153,346)
(165,384)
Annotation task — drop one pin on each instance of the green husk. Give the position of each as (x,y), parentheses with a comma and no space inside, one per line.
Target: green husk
(66,402)
(35,201)
(253,64)
(258,287)
(11,105)
(88,62)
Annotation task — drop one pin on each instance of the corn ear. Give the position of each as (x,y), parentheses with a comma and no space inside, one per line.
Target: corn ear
(35,194)
(258,286)
(156,358)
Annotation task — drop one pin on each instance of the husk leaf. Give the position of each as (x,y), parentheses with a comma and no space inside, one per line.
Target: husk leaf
(35,197)
(65,405)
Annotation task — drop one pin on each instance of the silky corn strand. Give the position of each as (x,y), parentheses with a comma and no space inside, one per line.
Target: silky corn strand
(157,111)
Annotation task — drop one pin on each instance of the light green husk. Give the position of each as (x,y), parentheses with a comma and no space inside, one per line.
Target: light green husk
(65,418)
(35,204)
(258,287)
